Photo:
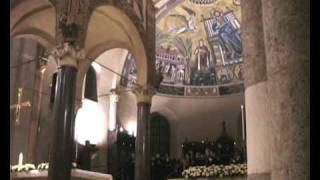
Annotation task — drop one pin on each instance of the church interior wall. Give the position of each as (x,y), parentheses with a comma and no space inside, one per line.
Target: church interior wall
(25,76)
(198,118)
(106,80)
(194,118)
(276,66)
(119,32)
(44,137)
(39,20)
(18,78)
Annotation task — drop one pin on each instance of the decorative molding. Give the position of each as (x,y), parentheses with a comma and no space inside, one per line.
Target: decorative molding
(144,93)
(68,55)
(201,91)
(203,2)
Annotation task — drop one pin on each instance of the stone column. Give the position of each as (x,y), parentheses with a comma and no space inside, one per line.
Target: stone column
(36,113)
(255,76)
(114,98)
(287,43)
(112,148)
(62,148)
(142,146)
(112,154)
(276,43)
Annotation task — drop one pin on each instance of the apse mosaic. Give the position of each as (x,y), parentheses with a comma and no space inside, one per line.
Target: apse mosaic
(198,48)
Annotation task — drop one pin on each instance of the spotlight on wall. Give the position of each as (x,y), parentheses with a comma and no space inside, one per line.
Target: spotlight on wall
(131,127)
(90,123)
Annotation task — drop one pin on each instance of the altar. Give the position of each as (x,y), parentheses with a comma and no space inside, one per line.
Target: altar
(76,174)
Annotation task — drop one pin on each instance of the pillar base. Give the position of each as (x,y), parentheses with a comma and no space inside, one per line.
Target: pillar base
(259,176)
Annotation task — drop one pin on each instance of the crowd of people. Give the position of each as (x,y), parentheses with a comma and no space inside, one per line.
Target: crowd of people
(222,151)
(205,153)
(163,167)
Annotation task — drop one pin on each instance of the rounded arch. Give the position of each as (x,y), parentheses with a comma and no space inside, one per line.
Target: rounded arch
(165,111)
(37,35)
(35,19)
(110,28)
(159,134)
(90,91)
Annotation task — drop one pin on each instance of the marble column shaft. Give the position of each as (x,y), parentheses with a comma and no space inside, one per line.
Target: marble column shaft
(142,147)
(113,154)
(277,103)
(63,134)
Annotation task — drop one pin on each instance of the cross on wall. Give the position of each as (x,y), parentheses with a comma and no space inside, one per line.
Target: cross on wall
(19,105)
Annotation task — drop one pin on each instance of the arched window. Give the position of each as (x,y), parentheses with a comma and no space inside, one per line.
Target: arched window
(53,87)
(90,91)
(160,134)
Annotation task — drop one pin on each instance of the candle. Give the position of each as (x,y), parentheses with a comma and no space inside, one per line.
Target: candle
(20,158)
(242,118)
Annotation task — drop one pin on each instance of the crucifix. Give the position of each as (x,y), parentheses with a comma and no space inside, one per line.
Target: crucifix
(19,105)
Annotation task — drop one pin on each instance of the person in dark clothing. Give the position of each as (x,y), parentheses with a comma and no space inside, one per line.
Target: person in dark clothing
(85,153)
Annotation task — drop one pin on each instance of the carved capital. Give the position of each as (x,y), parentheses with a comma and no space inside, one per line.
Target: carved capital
(68,55)
(144,93)
(42,64)
(114,98)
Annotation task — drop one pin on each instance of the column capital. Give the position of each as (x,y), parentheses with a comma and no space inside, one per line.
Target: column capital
(144,93)
(42,64)
(114,98)
(67,54)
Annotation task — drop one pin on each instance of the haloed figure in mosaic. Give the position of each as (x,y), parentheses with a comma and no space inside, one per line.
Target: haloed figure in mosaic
(202,57)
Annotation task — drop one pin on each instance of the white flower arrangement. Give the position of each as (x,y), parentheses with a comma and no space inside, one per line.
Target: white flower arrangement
(43,166)
(22,167)
(28,167)
(215,171)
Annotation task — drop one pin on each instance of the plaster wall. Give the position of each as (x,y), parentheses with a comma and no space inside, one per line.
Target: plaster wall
(194,118)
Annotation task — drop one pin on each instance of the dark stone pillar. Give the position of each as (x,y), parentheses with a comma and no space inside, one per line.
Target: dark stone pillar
(112,154)
(142,163)
(142,146)
(63,134)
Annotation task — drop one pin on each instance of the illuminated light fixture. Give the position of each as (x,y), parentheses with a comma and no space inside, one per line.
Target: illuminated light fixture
(121,129)
(131,127)
(90,123)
